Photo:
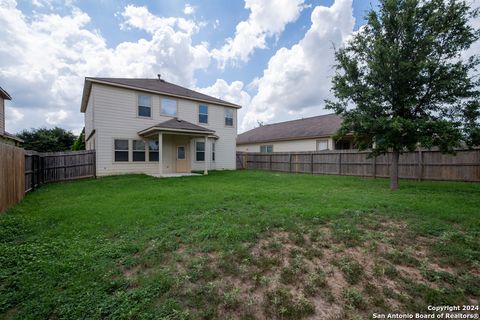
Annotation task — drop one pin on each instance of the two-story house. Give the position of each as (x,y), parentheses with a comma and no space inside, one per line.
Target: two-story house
(6,137)
(155,127)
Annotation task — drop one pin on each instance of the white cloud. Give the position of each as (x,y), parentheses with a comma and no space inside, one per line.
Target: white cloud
(298,79)
(189,9)
(56,117)
(44,59)
(266,19)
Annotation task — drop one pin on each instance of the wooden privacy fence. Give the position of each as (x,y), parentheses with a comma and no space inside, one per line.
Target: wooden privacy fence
(42,168)
(421,165)
(12,181)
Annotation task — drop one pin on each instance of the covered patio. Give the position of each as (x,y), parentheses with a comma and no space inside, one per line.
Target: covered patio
(178,143)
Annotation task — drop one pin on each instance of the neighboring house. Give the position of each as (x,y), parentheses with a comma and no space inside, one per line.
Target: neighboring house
(6,137)
(308,134)
(155,127)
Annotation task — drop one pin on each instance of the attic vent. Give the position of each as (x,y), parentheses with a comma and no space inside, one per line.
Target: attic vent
(160,77)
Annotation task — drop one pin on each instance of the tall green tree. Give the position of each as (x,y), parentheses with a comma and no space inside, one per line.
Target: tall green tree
(79,144)
(47,140)
(403,81)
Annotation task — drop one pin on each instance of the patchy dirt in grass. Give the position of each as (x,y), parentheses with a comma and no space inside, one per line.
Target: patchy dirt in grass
(343,270)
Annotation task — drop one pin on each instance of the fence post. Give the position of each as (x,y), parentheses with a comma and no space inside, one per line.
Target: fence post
(33,173)
(290,163)
(94,163)
(420,165)
(339,163)
(270,159)
(64,167)
(374,167)
(311,163)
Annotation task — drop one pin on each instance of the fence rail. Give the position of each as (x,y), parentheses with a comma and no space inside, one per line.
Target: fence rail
(48,167)
(420,165)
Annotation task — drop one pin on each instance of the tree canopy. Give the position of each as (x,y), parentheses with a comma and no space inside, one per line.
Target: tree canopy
(47,140)
(404,79)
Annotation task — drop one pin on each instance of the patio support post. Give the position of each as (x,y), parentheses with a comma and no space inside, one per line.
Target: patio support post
(160,155)
(207,156)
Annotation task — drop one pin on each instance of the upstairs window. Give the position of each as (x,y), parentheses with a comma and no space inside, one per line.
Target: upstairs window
(121,150)
(138,150)
(229,117)
(266,149)
(153,150)
(202,113)
(200,151)
(168,107)
(144,106)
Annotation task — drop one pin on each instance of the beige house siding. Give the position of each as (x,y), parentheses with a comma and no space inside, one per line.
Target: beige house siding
(2,116)
(287,146)
(112,113)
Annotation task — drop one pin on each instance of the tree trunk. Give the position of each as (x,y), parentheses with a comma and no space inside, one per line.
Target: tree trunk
(394,170)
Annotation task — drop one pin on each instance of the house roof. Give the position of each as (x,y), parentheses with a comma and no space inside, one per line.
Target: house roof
(11,136)
(4,94)
(153,86)
(177,125)
(319,126)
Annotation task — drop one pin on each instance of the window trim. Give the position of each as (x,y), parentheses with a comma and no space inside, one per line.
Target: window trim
(323,140)
(138,106)
(225,118)
(150,151)
(266,146)
(115,150)
(134,150)
(167,115)
(198,113)
(204,150)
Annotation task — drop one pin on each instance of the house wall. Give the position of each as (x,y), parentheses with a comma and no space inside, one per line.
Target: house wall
(2,115)
(287,146)
(112,113)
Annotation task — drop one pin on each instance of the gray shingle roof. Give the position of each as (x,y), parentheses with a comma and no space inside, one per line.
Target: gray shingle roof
(177,124)
(319,126)
(155,85)
(4,94)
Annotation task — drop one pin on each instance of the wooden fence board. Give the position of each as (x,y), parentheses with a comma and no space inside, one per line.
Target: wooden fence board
(12,183)
(421,164)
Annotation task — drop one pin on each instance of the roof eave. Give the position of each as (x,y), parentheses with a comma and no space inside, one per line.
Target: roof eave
(5,95)
(163,129)
(287,139)
(226,104)
(87,88)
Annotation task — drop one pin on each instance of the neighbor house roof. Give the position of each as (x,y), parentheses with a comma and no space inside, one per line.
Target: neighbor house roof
(4,94)
(177,125)
(11,136)
(153,86)
(319,126)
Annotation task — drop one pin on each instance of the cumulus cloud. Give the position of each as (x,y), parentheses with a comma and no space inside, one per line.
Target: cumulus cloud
(44,58)
(189,9)
(298,79)
(266,19)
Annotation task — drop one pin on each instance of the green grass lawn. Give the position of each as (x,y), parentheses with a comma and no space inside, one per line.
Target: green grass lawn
(242,245)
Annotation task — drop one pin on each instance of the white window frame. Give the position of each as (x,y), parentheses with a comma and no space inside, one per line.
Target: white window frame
(227,111)
(149,106)
(322,140)
(205,114)
(266,147)
(204,150)
(161,107)
(138,151)
(121,150)
(152,151)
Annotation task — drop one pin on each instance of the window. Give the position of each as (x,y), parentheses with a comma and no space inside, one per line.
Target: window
(121,150)
(180,153)
(144,106)
(153,150)
(229,117)
(342,145)
(322,145)
(200,151)
(213,150)
(138,150)
(202,113)
(266,149)
(169,107)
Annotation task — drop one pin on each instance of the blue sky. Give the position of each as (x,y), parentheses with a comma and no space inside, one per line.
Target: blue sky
(275,46)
